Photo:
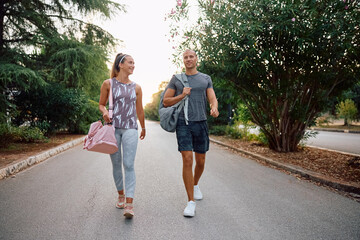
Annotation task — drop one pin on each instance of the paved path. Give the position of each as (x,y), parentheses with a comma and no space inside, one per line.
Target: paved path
(340,141)
(72,196)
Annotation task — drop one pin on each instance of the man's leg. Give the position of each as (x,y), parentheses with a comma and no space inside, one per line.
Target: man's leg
(185,146)
(201,146)
(188,177)
(199,167)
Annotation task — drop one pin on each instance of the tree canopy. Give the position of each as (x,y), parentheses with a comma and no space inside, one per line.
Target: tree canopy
(43,42)
(285,58)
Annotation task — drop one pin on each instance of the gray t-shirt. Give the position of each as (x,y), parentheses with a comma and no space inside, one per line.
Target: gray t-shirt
(199,83)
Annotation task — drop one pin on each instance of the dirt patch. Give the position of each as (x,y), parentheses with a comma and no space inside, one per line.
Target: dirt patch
(330,164)
(20,151)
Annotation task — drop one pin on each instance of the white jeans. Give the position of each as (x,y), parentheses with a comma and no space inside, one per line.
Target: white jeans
(127,140)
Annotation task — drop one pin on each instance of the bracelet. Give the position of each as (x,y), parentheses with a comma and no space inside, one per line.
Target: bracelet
(143,128)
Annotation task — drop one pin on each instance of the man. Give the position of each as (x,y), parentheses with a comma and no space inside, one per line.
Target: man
(192,135)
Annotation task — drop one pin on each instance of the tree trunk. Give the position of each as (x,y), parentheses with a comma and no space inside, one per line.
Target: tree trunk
(287,139)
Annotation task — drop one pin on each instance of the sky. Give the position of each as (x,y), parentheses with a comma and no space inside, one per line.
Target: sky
(142,30)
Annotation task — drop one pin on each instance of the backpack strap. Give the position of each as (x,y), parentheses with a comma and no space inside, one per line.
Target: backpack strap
(183,79)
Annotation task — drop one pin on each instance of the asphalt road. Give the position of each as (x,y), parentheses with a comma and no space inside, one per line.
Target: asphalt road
(344,142)
(72,196)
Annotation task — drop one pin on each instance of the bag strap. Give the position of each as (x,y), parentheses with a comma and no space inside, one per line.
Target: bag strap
(111,105)
(183,79)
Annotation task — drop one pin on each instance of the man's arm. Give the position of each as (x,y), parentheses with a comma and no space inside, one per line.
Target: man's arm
(169,98)
(213,102)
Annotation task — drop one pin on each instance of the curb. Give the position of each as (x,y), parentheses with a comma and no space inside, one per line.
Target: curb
(334,130)
(19,166)
(331,182)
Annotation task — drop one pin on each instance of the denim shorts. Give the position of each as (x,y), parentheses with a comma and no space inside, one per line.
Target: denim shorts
(192,137)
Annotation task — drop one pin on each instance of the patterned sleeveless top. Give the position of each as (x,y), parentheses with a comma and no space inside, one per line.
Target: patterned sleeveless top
(124,114)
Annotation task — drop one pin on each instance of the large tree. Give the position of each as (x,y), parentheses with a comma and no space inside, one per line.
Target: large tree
(42,41)
(285,58)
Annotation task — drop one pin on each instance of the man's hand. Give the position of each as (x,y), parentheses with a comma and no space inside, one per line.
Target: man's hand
(186,91)
(214,112)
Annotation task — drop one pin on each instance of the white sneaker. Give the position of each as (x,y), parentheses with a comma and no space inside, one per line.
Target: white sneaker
(197,193)
(190,209)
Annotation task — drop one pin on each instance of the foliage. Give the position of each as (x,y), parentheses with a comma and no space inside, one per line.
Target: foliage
(45,41)
(178,29)
(323,120)
(242,131)
(226,102)
(152,109)
(217,130)
(233,131)
(6,136)
(347,110)
(10,134)
(242,114)
(33,23)
(308,134)
(89,114)
(261,138)
(54,108)
(76,65)
(354,94)
(15,77)
(31,134)
(284,58)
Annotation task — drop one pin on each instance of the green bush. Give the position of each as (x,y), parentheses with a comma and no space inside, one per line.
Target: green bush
(5,135)
(151,110)
(31,134)
(218,130)
(323,120)
(44,126)
(10,134)
(55,108)
(261,138)
(90,113)
(242,114)
(347,109)
(234,132)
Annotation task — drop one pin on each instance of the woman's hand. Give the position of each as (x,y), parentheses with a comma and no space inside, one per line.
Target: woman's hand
(106,117)
(143,133)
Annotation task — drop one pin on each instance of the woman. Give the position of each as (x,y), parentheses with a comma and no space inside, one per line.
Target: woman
(127,99)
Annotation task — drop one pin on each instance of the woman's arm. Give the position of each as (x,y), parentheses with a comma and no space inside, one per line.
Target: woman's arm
(140,110)
(104,96)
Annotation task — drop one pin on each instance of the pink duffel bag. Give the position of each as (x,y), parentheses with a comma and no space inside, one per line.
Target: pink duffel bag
(102,138)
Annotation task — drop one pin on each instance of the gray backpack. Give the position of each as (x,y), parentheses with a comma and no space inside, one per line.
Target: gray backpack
(169,115)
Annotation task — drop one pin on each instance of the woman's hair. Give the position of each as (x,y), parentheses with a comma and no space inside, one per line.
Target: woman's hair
(120,57)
